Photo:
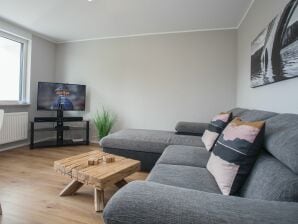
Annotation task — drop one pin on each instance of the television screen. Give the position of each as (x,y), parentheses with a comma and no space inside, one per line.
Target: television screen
(55,96)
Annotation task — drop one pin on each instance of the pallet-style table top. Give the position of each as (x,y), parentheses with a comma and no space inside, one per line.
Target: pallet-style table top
(99,175)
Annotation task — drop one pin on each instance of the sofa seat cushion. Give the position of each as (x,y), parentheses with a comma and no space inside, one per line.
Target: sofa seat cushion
(184,176)
(184,155)
(153,141)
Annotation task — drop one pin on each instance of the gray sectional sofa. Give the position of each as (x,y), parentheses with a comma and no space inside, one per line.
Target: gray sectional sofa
(148,145)
(179,188)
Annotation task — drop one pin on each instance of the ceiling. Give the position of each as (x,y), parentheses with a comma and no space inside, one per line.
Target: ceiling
(74,20)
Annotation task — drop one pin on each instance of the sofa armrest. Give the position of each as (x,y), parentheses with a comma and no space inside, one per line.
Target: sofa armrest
(191,128)
(146,202)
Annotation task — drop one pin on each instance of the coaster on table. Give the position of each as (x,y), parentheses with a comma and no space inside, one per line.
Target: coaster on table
(93,161)
(108,159)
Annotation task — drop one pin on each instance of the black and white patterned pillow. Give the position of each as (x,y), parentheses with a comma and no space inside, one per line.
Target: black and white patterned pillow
(215,128)
(235,153)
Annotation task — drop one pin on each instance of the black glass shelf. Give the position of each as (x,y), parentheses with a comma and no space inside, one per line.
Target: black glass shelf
(60,129)
(53,143)
(65,128)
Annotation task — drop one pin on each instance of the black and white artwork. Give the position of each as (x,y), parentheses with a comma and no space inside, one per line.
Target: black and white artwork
(274,52)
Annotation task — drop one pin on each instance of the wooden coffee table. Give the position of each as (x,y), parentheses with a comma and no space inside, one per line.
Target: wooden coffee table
(98,176)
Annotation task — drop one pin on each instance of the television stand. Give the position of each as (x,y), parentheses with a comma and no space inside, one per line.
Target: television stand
(64,127)
(59,128)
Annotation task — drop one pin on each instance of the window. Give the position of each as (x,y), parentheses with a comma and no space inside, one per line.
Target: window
(13,61)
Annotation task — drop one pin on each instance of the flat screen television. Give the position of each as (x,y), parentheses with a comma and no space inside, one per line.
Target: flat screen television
(61,96)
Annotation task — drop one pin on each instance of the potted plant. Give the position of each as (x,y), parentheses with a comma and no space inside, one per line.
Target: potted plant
(104,122)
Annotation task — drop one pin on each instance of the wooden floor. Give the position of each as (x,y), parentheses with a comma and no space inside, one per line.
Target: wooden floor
(29,189)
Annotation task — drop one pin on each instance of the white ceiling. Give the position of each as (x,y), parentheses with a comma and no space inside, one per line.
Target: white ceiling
(72,20)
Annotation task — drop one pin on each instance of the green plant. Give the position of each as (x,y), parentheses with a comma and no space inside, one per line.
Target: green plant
(104,122)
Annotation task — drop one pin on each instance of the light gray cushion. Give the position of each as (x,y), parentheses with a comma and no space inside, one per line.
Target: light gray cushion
(139,140)
(184,155)
(256,115)
(184,176)
(271,180)
(281,139)
(191,128)
(148,140)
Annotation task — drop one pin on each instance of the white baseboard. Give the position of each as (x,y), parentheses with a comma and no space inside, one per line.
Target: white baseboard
(14,146)
(94,142)
(28,143)
(22,144)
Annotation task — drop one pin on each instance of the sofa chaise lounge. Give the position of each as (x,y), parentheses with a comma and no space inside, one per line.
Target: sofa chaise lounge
(179,189)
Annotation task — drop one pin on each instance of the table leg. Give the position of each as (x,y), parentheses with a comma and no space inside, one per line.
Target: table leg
(98,200)
(0,210)
(121,183)
(71,188)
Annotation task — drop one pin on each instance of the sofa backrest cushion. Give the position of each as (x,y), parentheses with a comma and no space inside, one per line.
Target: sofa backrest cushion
(275,174)
(238,111)
(252,115)
(270,180)
(256,115)
(281,139)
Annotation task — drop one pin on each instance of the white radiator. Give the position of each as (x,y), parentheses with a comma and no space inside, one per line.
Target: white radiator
(15,127)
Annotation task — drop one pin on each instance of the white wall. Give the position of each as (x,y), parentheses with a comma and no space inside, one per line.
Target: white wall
(278,97)
(152,82)
(42,69)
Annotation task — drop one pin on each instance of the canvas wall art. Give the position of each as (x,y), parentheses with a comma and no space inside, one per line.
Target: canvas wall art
(274,52)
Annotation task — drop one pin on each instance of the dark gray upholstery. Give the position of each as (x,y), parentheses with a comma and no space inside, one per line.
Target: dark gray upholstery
(152,203)
(271,180)
(191,128)
(256,115)
(252,115)
(148,158)
(281,139)
(238,111)
(184,176)
(184,155)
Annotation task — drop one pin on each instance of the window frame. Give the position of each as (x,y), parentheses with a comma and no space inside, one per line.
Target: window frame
(23,93)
